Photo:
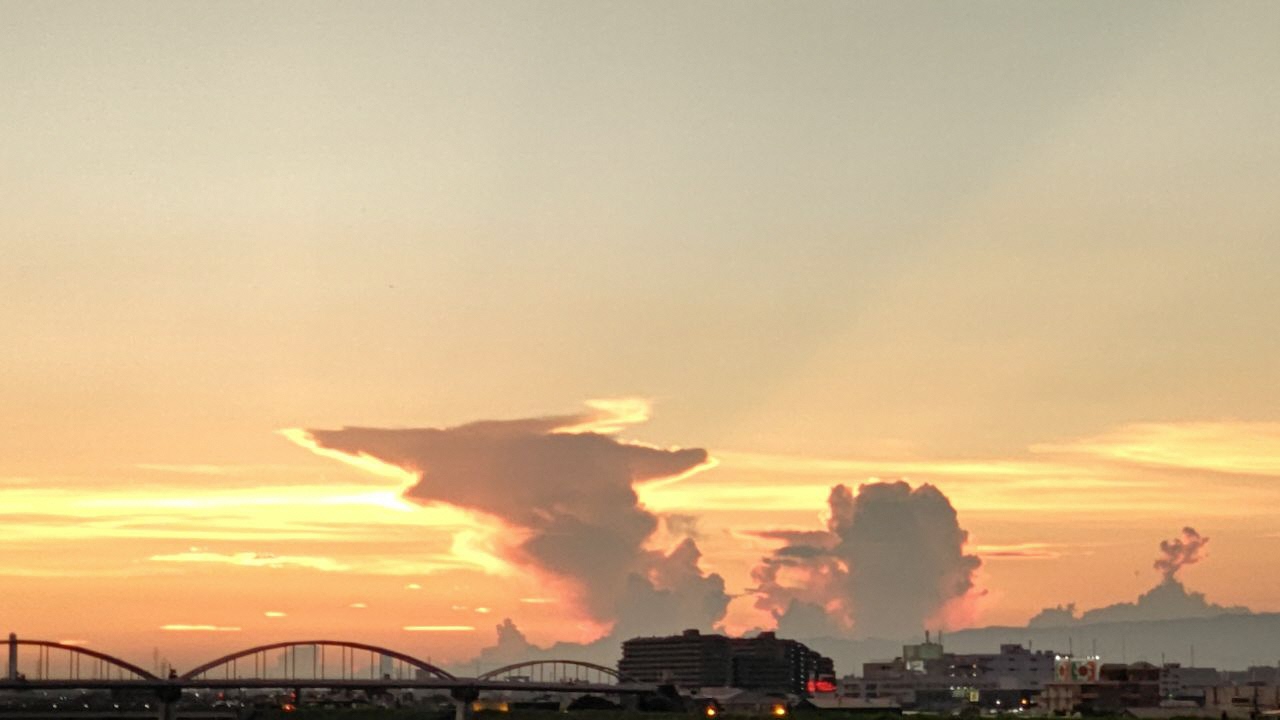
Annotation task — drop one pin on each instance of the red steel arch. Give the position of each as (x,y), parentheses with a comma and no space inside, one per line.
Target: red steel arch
(76,649)
(611,672)
(407,659)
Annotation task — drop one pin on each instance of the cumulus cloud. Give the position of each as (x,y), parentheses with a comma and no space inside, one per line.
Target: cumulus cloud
(891,560)
(1168,600)
(1180,552)
(510,648)
(565,489)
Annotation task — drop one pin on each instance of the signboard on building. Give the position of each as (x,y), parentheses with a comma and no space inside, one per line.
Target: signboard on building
(1073,670)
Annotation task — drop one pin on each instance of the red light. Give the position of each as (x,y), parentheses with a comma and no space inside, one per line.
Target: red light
(820,686)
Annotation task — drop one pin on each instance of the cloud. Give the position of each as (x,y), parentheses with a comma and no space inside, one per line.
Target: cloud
(565,492)
(180,627)
(439,628)
(1251,448)
(1168,600)
(891,561)
(253,559)
(1180,552)
(1019,551)
(510,648)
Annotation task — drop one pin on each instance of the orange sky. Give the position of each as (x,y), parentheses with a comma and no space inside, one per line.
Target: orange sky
(248,554)
(1024,253)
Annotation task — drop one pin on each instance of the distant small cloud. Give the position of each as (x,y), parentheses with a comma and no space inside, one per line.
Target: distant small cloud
(177,627)
(1020,551)
(274,614)
(439,628)
(537,600)
(254,559)
(77,643)
(483,610)
(1251,448)
(413,586)
(358,605)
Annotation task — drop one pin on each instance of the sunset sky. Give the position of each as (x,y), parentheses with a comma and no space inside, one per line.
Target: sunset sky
(1025,252)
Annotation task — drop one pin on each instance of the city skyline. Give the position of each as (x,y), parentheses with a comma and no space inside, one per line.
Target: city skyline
(602,317)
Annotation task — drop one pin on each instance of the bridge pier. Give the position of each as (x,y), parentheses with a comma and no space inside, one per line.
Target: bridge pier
(167,710)
(462,699)
(167,698)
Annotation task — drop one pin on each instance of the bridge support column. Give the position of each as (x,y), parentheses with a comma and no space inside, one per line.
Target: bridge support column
(167,710)
(13,657)
(462,699)
(167,702)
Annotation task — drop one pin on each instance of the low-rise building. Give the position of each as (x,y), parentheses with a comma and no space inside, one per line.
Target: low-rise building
(926,677)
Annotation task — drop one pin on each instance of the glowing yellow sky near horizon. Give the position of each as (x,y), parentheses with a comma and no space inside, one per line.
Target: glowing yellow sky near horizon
(377,532)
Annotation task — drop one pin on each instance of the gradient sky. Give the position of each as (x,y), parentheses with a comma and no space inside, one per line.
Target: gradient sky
(1024,251)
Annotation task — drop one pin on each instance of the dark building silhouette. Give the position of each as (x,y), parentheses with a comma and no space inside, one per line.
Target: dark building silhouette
(769,663)
(693,660)
(689,660)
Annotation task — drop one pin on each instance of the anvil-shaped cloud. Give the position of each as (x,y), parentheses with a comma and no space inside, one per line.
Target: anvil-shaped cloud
(562,487)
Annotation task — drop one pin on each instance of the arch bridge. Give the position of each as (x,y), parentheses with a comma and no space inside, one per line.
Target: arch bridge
(560,671)
(317,660)
(46,660)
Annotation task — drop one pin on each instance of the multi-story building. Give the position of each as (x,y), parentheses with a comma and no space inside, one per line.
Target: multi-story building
(772,664)
(687,660)
(1242,701)
(927,677)
(693,660)
(1187,683)
(1116,688)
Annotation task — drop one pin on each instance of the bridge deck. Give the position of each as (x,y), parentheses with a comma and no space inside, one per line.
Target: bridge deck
(457,683)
